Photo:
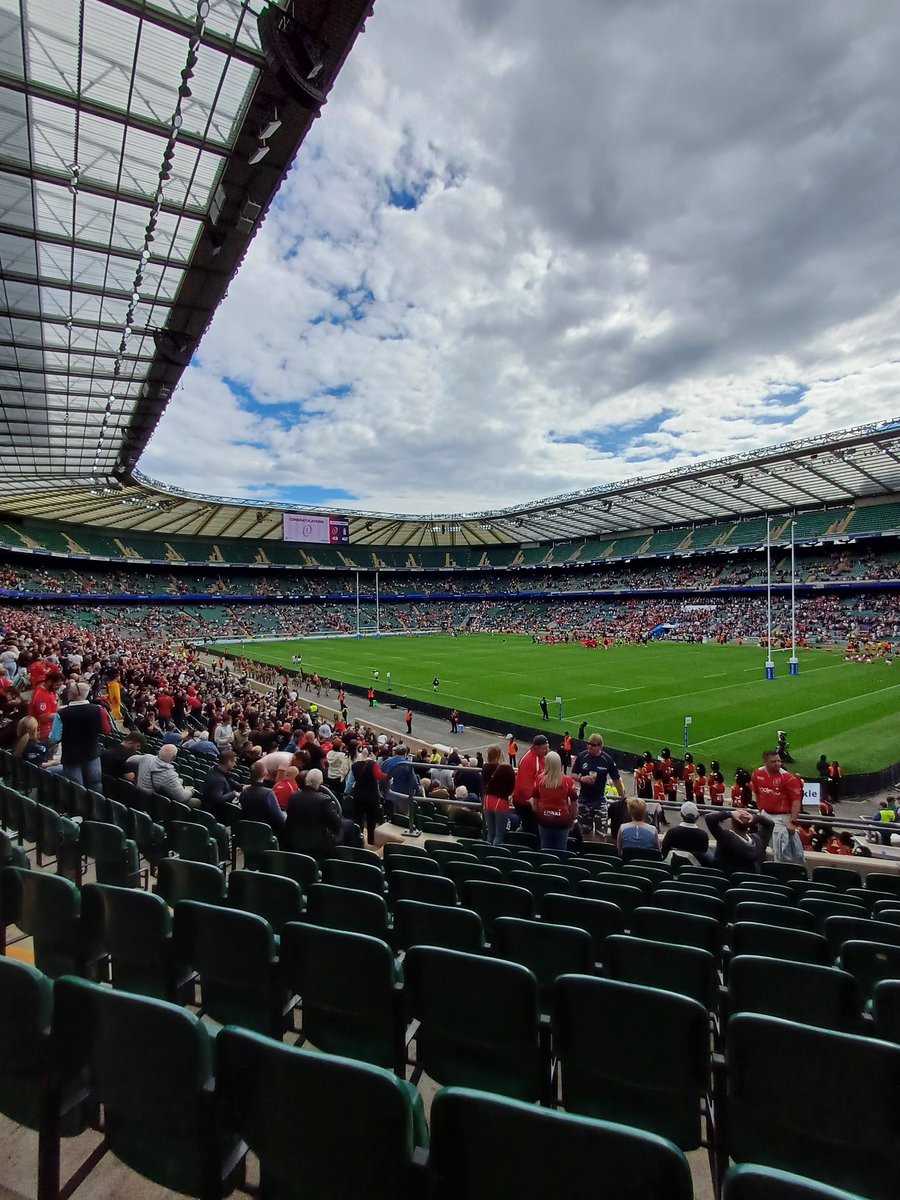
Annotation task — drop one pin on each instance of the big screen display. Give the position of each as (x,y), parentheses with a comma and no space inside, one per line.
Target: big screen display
(315,528)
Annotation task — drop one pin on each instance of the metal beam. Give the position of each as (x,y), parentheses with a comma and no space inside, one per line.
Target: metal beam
(103,190)
(81,289)
(176,24)
(107,112)
(13,314)
(45,238)
(46,348)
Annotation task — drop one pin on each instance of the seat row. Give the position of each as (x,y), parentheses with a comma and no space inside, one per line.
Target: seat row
(183,1103)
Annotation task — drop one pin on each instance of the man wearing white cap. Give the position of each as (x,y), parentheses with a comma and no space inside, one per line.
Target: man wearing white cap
(687,838)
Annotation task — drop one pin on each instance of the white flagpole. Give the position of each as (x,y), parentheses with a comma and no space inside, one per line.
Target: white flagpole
(770,662)
(794,664)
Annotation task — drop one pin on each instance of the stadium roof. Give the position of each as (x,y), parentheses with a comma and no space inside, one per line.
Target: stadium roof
(856,465)
(141,143)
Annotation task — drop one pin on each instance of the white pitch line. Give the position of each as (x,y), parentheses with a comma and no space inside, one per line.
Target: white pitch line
(803,713)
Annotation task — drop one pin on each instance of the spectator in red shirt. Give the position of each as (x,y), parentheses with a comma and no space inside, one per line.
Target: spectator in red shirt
(780,794)
(531,766)
(285,785)
(164,705)
(44,703)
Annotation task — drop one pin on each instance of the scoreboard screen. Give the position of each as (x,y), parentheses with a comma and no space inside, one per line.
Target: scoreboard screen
(314,528)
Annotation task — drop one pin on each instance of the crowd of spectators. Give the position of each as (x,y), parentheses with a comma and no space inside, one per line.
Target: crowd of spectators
(820,618)
(660,574)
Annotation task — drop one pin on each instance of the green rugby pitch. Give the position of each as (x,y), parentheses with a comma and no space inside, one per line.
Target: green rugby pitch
(636,696)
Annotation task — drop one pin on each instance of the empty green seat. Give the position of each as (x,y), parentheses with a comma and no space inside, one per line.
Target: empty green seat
(478,1022)
(883,881)
(178,879)
(682,899)
(775,941)
(547,950)
(599,918)
(134,928)
(294,1109)
(422,924)
(680,929)
(658,1081)
(746,1181)
(302,868)
(886,1009)
(150,1065)
(858,929)
(115,856)
(430,889)
(540,885)
(193,842)
(253,839)
(362,876)
(344,908)
(783,915)
(48,909)
(682,969)
(627,895)
(795,991)
(494,900)
(869,963)
(273,897)
(234,954)
(358,854)
(463,872)
(783,872)
(841,877)
(821,910)
(348,983)
(831,1116)
(484,1147)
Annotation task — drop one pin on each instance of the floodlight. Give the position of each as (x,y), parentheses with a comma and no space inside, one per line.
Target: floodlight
(258,154)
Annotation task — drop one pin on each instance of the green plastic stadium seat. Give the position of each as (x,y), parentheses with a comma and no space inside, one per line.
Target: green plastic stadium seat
(680,929)
(599,918)
(150,1065)
(178,879)
(352,1004)
(500,1051)
(275,898)
(746,1181)
(430,889)
(657,1081)
(302,868)
(344,908)
(483,1147)
(886,1010)
(777,941)
(361,876)
(859,929)
(806,1124)
(785,916)
(422,924)
(682,969)
(547,950)
(271,1096)
(795,991)
(234,954)
(494,900)
(135,929)
(869,963)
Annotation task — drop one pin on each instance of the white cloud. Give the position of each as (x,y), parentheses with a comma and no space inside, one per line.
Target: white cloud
(637,223)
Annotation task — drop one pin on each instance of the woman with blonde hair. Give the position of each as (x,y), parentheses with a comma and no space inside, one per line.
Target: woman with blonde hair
(555,807)
(637,833)
(28,745)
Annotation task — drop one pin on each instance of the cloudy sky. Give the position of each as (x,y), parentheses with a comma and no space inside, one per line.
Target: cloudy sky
(535,247)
